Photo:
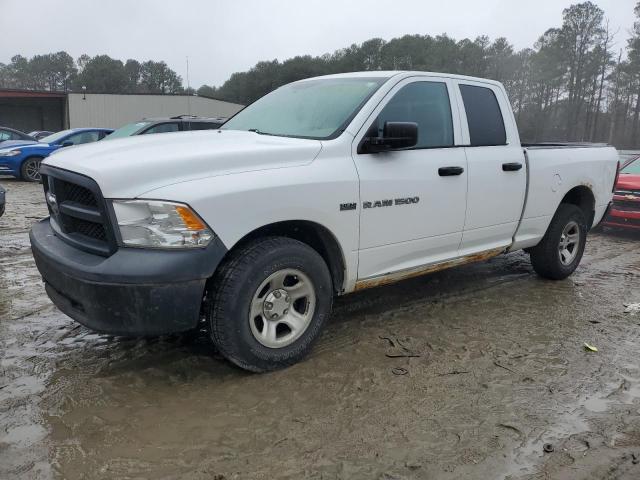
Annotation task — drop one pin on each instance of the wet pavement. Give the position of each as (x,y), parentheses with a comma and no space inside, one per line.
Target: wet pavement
(465,373)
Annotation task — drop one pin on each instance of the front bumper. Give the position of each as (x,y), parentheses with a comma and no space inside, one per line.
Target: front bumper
(132,292)
(10,166)
(623,215)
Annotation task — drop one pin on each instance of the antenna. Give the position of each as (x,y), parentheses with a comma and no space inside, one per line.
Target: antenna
(188,89)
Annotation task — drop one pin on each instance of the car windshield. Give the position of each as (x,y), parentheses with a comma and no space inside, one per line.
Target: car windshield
(127,130)
(317,109)
(633,168)
(54,137)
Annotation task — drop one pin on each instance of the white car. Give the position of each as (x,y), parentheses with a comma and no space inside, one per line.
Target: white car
(323,187)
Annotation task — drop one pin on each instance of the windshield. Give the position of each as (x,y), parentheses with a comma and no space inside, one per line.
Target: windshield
(317,109)
(54,137)
(633,168)
(127,130)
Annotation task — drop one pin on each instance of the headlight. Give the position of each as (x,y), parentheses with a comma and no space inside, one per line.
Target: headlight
(10,153)
(151,223)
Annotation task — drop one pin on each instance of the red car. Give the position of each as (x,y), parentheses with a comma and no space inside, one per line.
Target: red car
(625,211)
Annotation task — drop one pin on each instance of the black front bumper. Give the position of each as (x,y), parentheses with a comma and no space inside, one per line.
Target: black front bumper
(132,292)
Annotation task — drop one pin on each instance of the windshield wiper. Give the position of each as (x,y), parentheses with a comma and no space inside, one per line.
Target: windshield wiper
(260,132)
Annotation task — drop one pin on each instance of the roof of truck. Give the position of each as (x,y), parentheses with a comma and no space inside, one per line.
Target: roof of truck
(402,74)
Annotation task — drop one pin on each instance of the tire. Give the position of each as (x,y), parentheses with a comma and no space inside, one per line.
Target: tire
(548,258)
(243,293)
(30,169)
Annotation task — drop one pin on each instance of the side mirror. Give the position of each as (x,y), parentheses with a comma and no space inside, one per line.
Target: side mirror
(395,136)
(68,143)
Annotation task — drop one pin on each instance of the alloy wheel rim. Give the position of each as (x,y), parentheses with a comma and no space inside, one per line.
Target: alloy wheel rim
(33,169)
(569,243)
(282,308)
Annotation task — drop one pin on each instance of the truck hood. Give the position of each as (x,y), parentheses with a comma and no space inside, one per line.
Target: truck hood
(129,167)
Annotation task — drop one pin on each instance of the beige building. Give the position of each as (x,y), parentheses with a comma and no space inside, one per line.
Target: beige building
(29,110)
(113,111)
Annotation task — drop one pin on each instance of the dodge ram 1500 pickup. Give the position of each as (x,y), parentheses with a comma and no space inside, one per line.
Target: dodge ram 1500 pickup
(322,187)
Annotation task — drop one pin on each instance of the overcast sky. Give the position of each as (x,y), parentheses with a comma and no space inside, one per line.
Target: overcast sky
(222,37)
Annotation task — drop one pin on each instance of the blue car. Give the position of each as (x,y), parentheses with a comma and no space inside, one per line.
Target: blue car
(23,160)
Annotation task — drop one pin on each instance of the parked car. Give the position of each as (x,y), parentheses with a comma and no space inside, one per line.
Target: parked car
(625,211)
(181,123)
(23,160)
(626,157)
(323,187)
(3,199)
(40,134)
(9,136)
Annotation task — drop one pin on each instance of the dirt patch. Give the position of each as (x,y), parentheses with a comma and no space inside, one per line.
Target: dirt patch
(465,373)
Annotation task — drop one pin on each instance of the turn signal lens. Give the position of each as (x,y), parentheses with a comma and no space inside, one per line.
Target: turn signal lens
(190,219)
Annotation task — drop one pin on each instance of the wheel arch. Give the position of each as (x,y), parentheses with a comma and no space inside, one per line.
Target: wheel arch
(313,234)
(582,196)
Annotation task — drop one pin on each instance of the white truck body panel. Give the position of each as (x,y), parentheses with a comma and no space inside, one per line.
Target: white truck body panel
(128,167)
(240,181)
(555,171)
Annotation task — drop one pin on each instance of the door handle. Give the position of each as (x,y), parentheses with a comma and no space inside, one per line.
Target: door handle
(450,171)
(511,167)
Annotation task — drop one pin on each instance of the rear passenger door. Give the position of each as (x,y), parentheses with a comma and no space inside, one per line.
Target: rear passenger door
(412,201)
(496,167)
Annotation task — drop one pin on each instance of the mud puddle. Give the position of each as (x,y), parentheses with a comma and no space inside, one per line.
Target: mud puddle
(465,373)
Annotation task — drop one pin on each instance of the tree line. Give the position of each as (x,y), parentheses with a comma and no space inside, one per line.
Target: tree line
(574,84)
(571,85)
(99,74)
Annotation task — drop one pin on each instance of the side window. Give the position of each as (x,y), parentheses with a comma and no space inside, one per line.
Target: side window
(4,135)
(83,137)
(204,125)
(486,124)
(428,105)
(162,128)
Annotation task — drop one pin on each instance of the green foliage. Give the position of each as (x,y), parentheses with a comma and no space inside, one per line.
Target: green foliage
(99,74)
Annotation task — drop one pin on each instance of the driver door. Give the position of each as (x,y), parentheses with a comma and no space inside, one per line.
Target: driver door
(413,201)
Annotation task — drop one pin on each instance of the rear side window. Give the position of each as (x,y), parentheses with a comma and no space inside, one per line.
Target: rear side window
(427,104)
(486,125)
(162,128)
(204,125)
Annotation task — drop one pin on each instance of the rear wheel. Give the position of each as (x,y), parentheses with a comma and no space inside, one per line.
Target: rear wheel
(559,252)
(269,302)
(30,169)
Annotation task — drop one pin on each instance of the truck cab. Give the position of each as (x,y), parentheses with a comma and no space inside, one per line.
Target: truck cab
(323,187)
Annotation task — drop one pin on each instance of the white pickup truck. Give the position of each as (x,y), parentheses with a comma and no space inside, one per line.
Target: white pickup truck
(323,187)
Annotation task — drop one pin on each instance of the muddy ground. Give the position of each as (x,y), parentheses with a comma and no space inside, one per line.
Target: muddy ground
(496,370)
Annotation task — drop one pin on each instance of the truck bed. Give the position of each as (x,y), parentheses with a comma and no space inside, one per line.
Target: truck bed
(553,169)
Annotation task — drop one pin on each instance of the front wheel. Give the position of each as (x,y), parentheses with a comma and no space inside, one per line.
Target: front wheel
(559,252)
(269,302)
(30,169)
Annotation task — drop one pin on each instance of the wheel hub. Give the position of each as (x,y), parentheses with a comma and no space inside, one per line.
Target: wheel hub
(282,308)
(276,304)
